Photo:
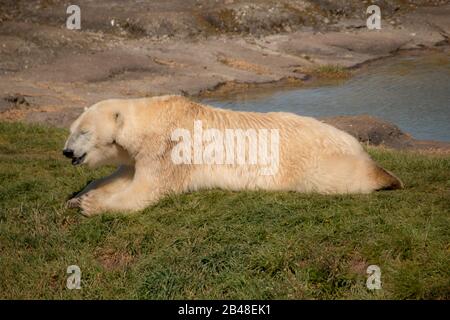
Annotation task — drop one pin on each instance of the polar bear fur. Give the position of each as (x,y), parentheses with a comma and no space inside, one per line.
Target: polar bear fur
(135,135)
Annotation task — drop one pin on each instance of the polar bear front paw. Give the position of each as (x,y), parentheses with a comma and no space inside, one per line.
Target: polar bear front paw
(90,205)
(73,203)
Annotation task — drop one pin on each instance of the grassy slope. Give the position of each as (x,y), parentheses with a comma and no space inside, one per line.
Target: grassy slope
(218,244)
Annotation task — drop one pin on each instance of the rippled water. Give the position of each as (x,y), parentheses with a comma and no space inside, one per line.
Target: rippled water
(410,91)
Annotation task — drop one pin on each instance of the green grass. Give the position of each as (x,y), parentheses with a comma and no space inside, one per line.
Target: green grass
(331,72)
(218,244)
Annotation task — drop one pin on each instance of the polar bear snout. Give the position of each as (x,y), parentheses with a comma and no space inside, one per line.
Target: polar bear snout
(68,153)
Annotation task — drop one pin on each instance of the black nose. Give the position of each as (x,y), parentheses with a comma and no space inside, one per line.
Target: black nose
(68,153)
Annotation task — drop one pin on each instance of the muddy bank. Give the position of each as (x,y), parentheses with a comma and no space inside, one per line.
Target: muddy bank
(378,132)
(127,49)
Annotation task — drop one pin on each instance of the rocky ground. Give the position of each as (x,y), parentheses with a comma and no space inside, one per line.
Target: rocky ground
(131,49)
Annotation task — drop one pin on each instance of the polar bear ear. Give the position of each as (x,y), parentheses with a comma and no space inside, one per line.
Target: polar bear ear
(118,118)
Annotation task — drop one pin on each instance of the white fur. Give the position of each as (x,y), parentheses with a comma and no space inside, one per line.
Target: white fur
(135,135)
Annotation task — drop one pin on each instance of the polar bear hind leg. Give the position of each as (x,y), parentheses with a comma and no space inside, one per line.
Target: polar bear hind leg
(338,174)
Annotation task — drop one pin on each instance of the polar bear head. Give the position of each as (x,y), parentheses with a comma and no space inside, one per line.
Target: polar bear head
(93,138)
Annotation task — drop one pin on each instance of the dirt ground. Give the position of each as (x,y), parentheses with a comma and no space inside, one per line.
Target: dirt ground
(129,49)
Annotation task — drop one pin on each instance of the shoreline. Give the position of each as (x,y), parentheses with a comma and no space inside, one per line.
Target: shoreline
(222,90)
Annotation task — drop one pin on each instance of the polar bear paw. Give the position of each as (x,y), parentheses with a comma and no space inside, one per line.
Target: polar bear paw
(90,205)
(73,203)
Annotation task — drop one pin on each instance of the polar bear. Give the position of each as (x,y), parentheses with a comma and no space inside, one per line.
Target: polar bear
(147,140)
